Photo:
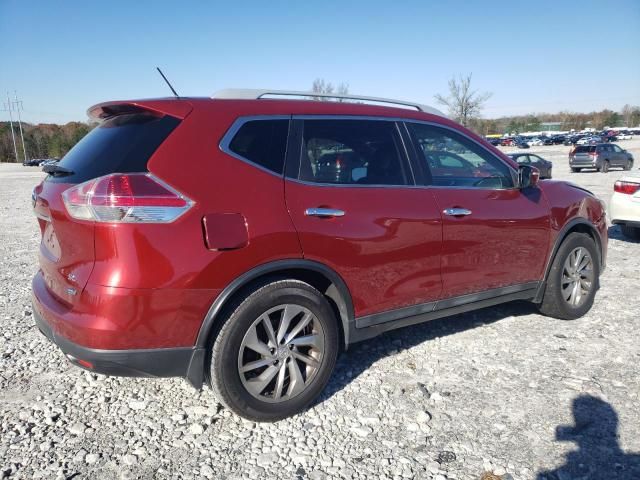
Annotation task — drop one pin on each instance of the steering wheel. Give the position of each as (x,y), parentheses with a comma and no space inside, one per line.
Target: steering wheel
(480,182)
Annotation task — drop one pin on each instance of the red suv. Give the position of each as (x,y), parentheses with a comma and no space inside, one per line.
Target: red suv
(243,240)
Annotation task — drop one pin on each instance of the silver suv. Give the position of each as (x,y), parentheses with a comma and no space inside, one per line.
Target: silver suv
(601,157)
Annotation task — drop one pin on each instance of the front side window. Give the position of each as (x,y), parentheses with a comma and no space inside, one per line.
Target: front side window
(263,142)
(455,161)
(523,159)
(616,148)
(364,152)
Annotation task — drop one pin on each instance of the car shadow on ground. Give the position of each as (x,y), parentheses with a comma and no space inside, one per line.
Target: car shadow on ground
(361,356)
(615,233)
(599,456)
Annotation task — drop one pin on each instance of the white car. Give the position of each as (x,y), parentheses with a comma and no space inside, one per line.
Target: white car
(624,136)
(624,208)
(534,142)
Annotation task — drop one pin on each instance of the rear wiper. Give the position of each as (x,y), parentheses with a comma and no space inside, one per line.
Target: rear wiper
(57,171)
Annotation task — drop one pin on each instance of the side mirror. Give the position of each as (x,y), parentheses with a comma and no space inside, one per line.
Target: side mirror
(528,176)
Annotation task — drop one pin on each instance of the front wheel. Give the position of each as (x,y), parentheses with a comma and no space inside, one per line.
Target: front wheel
(275,352)
(575,170)
(573,279)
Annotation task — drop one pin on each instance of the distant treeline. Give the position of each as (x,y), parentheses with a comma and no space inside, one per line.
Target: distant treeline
(629,116)
(45,140)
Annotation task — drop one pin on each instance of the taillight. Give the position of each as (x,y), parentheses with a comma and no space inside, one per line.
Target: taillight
(125,198)
(593,154)
(628,188)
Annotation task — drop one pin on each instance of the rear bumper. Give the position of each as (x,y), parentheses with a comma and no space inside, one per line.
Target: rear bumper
(624,209)
(187,362)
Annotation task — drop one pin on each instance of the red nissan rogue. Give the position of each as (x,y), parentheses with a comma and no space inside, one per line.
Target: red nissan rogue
(243,240)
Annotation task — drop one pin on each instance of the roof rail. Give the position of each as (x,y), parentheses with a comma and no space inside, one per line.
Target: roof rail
(256,94)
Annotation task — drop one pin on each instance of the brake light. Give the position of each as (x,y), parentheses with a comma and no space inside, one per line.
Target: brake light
(125,198)
(593,154)
(628,188)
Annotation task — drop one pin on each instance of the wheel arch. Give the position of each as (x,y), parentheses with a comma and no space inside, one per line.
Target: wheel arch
(316,274)
(579,225)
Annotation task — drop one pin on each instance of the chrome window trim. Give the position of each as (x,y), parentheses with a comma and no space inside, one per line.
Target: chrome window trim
(404,150)
(227,138)
(514,173)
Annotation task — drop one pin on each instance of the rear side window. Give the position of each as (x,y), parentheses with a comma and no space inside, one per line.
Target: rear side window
(364,152)
(455,161)
(120,144)
(585,148)
(263,142)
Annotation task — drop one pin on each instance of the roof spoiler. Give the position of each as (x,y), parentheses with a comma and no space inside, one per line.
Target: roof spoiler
(176,108)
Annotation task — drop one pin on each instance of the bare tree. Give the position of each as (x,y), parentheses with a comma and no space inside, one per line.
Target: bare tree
(464,103)
(320,86)
(629,114)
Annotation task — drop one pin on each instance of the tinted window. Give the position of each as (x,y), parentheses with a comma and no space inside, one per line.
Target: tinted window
(453,160)
(263,142)
(522,159)
(119,144)
(585,149)
(351,152)
(616,148)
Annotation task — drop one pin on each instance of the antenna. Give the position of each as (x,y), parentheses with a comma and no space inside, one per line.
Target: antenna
(165,79)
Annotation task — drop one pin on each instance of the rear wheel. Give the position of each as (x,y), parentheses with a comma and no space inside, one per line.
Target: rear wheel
(573,279)
(275,352)
(630,232)
(605,166)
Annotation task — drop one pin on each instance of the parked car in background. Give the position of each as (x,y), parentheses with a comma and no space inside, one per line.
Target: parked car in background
(520,143)
(592,140)
(624,136)
(494,141)
(543,165)
(535,142)
(558,139)
(601,157)
(245,267)
(507,142)
(624,207)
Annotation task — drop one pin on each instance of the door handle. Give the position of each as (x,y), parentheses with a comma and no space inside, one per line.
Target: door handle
(456,212)
(323,212)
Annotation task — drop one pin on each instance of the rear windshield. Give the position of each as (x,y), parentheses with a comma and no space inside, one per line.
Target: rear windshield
(119,144)
(585,149)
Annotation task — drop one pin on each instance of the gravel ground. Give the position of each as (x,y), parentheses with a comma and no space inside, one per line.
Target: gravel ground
(500,390)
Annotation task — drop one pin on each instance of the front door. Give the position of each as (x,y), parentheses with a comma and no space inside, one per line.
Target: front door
(354,204)
(494,235)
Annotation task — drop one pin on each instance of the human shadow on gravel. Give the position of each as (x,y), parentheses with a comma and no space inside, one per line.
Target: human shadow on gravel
(615,233)
(362,355)
(599,456)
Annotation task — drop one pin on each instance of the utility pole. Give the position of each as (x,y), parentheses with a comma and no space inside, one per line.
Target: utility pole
(18,104)
(13,136)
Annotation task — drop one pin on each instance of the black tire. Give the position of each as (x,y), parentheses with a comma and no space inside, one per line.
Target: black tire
(630,232)
(225,353)
(553,303)
(575,170)
(628,165)
(605,166)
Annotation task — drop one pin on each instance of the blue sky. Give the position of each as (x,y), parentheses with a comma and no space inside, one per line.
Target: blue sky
(534,56)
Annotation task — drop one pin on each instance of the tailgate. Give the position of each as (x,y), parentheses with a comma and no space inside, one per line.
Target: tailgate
(123,142)
(67,247)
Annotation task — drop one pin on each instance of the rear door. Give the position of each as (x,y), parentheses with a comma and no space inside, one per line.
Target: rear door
(123,143)
(351,195)
(491,230)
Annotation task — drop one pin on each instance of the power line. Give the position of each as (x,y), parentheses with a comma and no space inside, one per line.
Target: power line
(18,104)
(10,106)
(7,107)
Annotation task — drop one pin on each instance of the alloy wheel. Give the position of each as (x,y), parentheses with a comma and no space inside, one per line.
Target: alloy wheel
(281,353)
(577,277)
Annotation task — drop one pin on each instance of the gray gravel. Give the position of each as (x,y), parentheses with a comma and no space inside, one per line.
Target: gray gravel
(488,391)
